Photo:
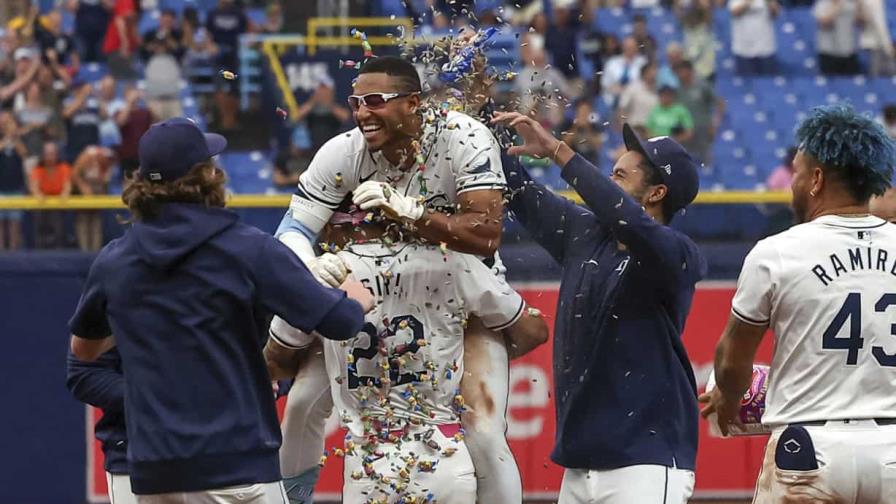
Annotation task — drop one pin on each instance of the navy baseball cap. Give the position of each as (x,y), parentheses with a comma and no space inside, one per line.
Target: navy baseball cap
(169,149)
(677,168)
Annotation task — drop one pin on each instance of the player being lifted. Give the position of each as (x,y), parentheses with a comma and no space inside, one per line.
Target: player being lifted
(397,385)
(436,174)
(827,289)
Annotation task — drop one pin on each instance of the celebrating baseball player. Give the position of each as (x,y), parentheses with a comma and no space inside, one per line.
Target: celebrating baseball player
(187,293)
(625,393)
(827,289)
(436,175)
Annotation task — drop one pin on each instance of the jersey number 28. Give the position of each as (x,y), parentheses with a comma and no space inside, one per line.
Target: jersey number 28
(851,312)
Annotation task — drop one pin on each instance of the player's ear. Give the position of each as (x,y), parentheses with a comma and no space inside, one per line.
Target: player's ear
(657,193)
(414,102)
(818,181)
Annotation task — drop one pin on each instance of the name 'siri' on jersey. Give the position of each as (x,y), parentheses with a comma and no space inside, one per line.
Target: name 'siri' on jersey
(408,360)
(827,289)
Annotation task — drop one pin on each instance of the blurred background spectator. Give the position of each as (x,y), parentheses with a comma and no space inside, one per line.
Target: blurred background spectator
(584,133)
(621,69)
(560,39)
(670,117)
(90,176)
(323,116)
(120,44)
(292,160)
(12,180)
(780,178)
(639,98)
(225,24)
(82,116)
(646,43)
(699,39)
(667,75)
(133,119)
(706,109)
(91,25)
(51,177)
(753,39)
(876,39)
(837,37)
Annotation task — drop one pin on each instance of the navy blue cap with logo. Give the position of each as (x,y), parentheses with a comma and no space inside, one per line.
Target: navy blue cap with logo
(169,149)
(677,168)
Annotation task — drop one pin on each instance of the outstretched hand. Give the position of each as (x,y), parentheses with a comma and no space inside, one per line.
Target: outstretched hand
(537,141)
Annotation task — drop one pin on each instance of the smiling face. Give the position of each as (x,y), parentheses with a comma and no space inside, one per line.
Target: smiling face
(634,175)
(391,124)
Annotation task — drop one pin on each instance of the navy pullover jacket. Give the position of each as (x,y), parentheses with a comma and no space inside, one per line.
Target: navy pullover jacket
(101,384)
(188,296)
(624,389)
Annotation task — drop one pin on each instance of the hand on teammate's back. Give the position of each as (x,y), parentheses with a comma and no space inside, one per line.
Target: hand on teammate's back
(359,293)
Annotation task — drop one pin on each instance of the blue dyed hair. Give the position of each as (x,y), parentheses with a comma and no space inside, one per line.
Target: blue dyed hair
(851,146)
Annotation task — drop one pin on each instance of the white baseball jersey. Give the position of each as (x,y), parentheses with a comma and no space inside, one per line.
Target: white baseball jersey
(827,289)
(408,360)
(460,155)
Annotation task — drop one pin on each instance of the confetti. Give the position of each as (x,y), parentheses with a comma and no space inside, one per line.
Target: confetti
(282,113)
(227,74)
(348,64)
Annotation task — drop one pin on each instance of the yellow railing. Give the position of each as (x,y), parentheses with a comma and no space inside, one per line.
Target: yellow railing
(110,202)
(314,24)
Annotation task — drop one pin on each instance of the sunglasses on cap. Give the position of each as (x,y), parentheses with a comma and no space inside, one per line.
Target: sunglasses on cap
(375,100)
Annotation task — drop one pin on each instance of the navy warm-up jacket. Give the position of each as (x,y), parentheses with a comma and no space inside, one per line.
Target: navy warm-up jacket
(101,384)
(188,295)
(624,388)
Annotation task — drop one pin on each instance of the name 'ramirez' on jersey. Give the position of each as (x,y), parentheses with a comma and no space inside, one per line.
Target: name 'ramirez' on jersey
(407,362)
(459,152)
(845,339)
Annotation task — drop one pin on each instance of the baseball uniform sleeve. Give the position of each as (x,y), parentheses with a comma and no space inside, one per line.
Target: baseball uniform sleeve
(324,185)
(486,295)
(285,287)
(89,320)
(476,156)
(99,383)
(756,285)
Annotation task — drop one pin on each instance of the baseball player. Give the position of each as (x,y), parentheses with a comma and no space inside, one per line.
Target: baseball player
(827,288)
(188,292)
(397,385)
(101,384)
(625,393)
(436,174)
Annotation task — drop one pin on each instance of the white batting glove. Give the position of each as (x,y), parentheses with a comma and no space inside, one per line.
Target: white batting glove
(328,269)
(372,194)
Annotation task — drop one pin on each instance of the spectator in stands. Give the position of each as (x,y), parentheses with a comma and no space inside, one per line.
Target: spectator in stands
(646,43)
(885,206)
(90,176)
(35,116)
(25,67)
(121,41)
(110,136)
(325,118)
(225,24)
(639,98)
(674,55)
(12,180)
(707,110)
(537,81)
(293,159)
(699,38)
(779,179)
(54,44)
(622,69)
(889,119)
(876,39)
(91,23)
(670,117)
(51,177)
(273,21)
(585,131)
(82,116)
(133,119)
(201,49)
(591,46)
(753,35)
(837,37)
(166,39)
(560,40)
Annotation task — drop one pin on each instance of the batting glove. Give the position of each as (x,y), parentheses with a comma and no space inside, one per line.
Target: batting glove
(372,194)
(328,269)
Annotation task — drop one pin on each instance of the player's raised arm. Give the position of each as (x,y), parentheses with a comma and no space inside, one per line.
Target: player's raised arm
(548,217)
(650,182)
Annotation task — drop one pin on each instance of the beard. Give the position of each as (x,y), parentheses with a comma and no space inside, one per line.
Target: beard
(800,206)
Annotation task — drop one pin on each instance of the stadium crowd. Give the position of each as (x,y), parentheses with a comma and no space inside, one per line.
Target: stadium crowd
(67,131)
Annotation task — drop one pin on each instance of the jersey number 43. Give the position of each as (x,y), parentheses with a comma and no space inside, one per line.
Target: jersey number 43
(851,312)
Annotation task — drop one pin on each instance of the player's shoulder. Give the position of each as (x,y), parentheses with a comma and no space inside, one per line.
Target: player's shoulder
(459,124)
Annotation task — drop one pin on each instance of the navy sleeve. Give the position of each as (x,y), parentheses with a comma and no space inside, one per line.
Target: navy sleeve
(659,248)
(89,320)
(287,288)
(550,219)
(99,383)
